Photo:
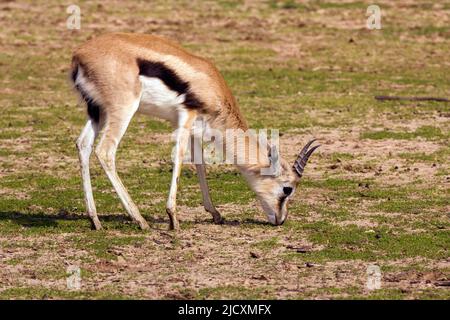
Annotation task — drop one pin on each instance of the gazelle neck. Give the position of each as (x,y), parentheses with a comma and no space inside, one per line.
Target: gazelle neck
(247,155)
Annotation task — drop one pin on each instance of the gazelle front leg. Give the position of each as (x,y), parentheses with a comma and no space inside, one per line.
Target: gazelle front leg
(207,202)
(201,173)
(185,121)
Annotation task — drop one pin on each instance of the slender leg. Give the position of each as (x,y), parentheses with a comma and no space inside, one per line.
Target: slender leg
(207,202)
(84,145)
(185,121)
(201,173)
(114,129)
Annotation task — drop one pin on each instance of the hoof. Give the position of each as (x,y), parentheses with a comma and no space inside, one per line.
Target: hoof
(96,225)
(218,220)
(143,225)
(173,224)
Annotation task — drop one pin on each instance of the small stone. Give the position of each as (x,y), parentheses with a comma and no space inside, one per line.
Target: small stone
(444,283)
(260,277)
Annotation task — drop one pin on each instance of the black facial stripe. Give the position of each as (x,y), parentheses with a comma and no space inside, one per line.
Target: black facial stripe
(170,79)
(281,202)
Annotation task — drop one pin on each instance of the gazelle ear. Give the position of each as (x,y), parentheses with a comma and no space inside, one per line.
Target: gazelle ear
(274,159)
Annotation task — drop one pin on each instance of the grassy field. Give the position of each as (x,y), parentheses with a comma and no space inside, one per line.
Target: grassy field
(376,192)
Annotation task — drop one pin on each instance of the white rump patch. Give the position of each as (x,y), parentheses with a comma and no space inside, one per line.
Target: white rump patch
(87,87)
(158,100)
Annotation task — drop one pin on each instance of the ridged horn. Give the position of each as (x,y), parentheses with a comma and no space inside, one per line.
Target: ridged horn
(303,156)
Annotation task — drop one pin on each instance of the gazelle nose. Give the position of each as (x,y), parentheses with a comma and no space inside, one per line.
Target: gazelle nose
(287,190)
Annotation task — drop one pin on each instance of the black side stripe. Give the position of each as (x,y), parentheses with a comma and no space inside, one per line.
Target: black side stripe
(171,80)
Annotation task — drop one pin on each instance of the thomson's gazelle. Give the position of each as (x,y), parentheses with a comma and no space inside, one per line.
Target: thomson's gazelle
(118,75)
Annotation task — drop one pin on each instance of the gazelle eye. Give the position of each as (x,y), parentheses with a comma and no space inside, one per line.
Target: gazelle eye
(287,190)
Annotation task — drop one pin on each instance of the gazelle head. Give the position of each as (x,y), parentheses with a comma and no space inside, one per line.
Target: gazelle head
(274,191)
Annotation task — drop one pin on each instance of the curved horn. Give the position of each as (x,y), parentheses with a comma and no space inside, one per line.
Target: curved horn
(302,159)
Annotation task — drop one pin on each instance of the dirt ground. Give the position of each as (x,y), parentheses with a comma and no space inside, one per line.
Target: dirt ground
(376,192)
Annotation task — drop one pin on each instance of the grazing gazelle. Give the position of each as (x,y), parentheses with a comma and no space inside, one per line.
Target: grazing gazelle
(120,74)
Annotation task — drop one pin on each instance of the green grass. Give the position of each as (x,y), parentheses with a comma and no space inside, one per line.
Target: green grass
(352,242)
(267,244)
(99,244)
(399,294)
(233,292)
(26,293)
(426,132)
(307,68)
(435,157)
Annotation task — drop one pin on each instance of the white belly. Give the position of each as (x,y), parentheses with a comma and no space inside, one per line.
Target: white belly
(158,100)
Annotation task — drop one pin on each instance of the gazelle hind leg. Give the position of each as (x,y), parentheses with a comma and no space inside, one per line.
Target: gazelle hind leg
(114,128)
(84,146)
(185,120)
